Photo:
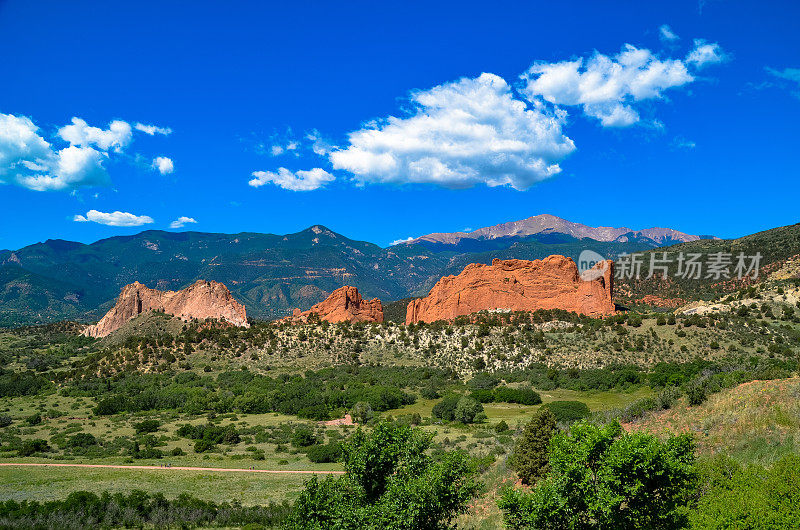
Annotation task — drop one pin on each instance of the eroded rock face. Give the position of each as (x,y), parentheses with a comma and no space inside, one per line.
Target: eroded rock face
(201,300)
(518,285)
(343,305)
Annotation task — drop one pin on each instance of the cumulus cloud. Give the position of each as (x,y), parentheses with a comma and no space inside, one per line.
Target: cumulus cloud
(117,136)
(460,134)
(113,218)
(163,164)
(666,34)
(72,167)
(295,181)
(152,129)
(181,221)
(607,87)
(705,53)
(28,160)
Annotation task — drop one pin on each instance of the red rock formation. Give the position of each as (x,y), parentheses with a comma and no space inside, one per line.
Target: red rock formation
(201,300)
(343,305)
(518,285)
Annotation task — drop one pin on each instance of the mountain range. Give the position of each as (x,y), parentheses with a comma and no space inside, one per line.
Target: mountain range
(272,274)
(506,234)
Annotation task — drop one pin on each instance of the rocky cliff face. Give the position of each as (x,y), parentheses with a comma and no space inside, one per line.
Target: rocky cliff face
(343,305)
(518,285)
(201,300)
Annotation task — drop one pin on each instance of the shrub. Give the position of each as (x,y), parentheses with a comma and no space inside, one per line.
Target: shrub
(522,396)
(601,477)
(30,447)
(34,419)
(483,395)
(321,454)
(146,426)
(483,381)
(303,437)
(567,411)
(445,409)
(501,426)
(5,420)
(697,394)
(81,440)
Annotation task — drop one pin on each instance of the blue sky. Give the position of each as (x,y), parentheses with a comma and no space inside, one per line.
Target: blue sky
(396,119)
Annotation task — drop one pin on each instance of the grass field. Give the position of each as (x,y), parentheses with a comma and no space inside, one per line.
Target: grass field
(20,483)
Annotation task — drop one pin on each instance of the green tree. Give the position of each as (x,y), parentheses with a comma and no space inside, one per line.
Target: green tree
(390,482)
(601,477)
(467,409)
(531,453)
(362,412)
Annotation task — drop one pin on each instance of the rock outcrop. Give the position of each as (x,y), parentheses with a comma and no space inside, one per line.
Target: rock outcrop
(201,300)
(343,305)
(518,285)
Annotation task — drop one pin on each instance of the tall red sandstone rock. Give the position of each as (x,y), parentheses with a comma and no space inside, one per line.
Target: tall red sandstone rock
(201,300)
(343,305)
(518,285)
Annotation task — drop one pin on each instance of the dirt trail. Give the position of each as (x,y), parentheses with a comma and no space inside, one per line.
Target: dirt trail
(178,468)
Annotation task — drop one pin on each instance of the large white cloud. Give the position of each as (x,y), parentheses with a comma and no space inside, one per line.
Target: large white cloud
(28,160)
(607,87)
(163,164)
(114,218)
(117,136)
(468,132)
(295,181)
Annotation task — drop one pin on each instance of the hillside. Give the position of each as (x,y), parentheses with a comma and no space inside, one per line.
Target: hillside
(778,248)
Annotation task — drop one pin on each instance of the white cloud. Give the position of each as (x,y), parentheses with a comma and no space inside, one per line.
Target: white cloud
(152,129)
(20,146)
(666,34)
(460,134)
(180,221)
(295,181)
(276,150)
(319,145)
(28,160)
(607,87)
(163,164)
(71,168)
(705,53)
(114,218)
(117,136)
(399,241)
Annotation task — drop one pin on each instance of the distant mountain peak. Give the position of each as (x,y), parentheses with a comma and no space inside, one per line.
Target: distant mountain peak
(551,224)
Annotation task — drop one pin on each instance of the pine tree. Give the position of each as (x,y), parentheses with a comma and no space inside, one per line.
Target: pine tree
(531,453)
